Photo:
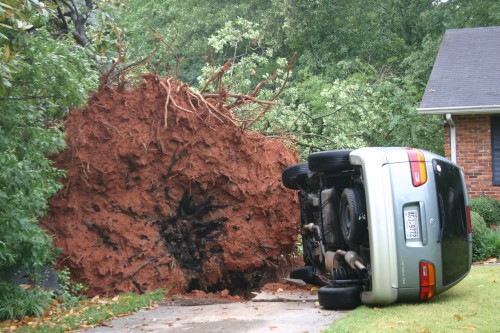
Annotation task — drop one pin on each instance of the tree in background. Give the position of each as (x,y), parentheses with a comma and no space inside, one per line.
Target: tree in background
(336,43)
(47,65)
(186,26)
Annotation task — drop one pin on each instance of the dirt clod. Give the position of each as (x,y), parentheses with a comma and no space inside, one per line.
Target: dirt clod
(163,190)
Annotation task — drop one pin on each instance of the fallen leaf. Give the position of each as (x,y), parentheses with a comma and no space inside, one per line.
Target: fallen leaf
(25,286)
(424,330)
(279,290)
(376,309)
(86,326)
(457,316)
(470,328)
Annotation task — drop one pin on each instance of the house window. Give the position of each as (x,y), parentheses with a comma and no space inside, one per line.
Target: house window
(495,148)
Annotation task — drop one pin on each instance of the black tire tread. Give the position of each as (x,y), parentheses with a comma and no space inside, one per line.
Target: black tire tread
(353,196)
(305,274)
(329,161)
(293,174)
(339,298)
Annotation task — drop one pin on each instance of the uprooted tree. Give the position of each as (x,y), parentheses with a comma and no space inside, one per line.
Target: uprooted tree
(165,189)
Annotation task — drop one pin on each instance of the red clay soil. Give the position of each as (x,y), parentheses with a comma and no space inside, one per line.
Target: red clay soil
(195,205)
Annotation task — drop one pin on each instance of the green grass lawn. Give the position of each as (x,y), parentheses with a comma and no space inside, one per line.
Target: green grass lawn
(472,305)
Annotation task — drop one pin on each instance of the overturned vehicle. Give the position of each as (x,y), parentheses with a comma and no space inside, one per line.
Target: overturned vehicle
(381,225)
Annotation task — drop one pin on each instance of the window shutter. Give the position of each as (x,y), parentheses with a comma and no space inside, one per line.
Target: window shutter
(495,148)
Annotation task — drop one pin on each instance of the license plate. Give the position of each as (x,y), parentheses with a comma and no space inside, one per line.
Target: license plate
(412,227)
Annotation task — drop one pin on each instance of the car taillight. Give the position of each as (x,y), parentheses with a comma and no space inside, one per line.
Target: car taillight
(427,280)
(417,166)
(469,221)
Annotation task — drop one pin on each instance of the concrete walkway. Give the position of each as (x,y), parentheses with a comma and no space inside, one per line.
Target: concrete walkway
(280,312)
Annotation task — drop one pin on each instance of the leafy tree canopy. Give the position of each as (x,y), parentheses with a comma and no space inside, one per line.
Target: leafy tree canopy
(44,73)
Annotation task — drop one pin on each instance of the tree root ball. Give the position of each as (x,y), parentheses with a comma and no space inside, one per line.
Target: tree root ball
(165,190)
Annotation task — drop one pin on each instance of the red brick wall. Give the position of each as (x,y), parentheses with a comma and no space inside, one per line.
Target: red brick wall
(474,154)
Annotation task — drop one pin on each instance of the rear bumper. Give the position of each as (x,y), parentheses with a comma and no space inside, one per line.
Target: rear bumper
(381,226)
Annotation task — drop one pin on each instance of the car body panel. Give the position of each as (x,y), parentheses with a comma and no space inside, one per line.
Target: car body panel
(383,261)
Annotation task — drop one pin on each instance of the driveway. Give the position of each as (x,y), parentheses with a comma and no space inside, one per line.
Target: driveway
(281,312)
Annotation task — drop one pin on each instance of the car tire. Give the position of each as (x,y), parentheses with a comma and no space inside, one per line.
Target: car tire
(353,215)
(305,274)
(295,176)
(339,298)
(329,161)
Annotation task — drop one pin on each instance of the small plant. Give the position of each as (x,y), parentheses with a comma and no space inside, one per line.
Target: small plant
(86,313)
(18,303)
(69,292)
(485,241)
(488,208)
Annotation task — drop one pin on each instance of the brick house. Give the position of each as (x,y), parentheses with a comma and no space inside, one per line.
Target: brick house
(464,87)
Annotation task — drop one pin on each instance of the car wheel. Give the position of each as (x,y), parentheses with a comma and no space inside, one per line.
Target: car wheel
(352,215)
(329,160)
(339,298)
(294,176)
(305,274)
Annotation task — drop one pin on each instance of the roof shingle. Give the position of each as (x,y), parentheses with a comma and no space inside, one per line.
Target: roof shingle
(466,74)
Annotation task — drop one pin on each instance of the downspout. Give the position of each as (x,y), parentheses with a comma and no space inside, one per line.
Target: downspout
(453,138)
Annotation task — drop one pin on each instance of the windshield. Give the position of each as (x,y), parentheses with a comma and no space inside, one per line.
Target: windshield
(453,221)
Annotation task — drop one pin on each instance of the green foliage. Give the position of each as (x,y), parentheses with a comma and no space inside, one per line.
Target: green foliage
(48,76)
(471,13)
(478,224)
(358,110)
(43,73)
(479,230)
(485,241)
(91,312)
(42,77)
(69,292)
(186,26)
(357,60)
(488,208)
(17,303)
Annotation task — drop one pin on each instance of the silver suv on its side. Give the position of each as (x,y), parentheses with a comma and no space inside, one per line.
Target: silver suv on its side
(381,225)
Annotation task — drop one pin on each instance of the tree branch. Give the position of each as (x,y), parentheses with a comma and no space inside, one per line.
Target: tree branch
(241,97)
(105,76)
(162,40)
(218,74)
(267,108)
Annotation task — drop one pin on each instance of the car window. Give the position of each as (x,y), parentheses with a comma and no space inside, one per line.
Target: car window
(453,221)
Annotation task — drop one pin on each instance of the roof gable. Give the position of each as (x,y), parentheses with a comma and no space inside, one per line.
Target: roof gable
(466,74)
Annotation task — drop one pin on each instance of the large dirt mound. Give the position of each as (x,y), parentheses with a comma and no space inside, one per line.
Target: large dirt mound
(163,189)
